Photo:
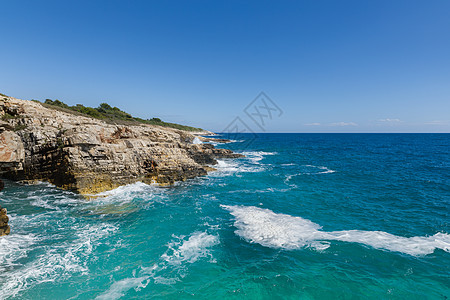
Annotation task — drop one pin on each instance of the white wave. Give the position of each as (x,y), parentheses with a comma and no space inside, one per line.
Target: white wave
(197,141)
(315,170)
(137,187)
(42,202)
(126,194)
(118,288)
(264,227)
(48,200)
(13,248)
(67,200)
(190,250)
(325,170)
(236,141)
(54,262)
(227,166)
(180,251)
(269,229)
(256,156)
(230,166)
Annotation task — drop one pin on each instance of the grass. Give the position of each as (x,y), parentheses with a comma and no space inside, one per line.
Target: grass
(111,114)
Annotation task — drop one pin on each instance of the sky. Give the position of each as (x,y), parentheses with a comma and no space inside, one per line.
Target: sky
(328,66)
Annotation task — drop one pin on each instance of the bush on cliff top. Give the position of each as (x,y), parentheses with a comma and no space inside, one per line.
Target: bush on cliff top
(108,113)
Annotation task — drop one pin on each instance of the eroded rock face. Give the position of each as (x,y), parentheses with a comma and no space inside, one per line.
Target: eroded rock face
(90,156)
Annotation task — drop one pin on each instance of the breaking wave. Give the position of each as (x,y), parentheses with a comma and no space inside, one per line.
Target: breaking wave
(256,156)
(250,164)
(126,199)
(269,229)
(127,191)
(231,166)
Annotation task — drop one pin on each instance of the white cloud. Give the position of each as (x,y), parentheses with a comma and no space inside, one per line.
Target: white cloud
(390,120)
(344,124)
(313,124)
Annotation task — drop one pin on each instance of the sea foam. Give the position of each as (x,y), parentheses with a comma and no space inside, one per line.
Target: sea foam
(190,250)
(54,263)
(126,190)
(13,248)
(118,288)
(256,156)
(197,141)
(269,229)
(181,252)
(231,166)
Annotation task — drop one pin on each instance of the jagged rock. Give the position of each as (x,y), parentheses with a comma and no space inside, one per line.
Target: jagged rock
(216,140)
(88,156)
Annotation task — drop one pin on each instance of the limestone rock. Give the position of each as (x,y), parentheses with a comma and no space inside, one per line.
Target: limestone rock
(89,156)
(4,227)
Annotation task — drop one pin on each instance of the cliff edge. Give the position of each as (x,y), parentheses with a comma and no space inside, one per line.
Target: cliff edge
(88,155)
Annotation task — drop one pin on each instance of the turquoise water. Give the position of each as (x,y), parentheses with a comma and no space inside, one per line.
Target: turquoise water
(303,216)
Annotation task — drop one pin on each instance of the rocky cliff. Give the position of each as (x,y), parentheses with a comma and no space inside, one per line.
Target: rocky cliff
(88,155)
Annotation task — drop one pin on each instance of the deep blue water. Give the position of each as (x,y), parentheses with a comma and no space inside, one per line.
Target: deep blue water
(303,216)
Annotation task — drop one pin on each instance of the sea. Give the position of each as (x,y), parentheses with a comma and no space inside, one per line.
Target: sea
(301,216)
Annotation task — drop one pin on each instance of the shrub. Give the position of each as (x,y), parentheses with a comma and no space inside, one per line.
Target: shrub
(88,111)
(56,103)
(106,112)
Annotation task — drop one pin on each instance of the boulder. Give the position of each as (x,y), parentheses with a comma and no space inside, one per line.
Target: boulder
(4,227)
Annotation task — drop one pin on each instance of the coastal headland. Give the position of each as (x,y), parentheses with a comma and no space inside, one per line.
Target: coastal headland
(89,155)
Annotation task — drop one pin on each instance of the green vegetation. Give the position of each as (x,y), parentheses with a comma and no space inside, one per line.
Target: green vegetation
(111,114)
(19,127)
(7,117)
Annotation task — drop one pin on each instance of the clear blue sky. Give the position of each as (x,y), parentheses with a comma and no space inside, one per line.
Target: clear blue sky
(331,66)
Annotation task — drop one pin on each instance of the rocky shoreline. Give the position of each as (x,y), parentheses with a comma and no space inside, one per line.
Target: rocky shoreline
(88,155)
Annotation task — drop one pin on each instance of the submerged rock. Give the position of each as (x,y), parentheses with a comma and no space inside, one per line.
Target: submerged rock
(89,156)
